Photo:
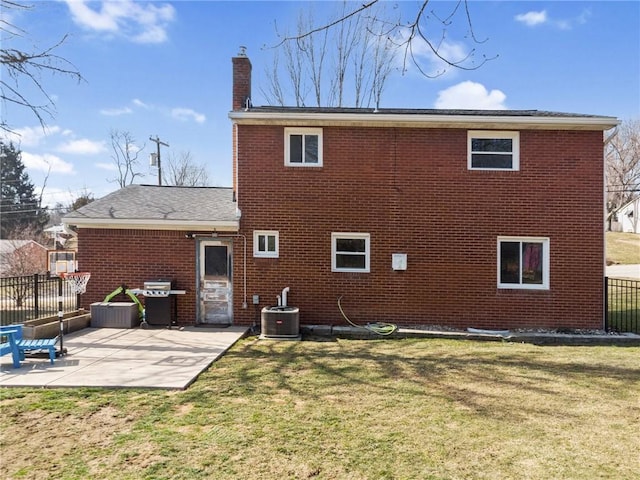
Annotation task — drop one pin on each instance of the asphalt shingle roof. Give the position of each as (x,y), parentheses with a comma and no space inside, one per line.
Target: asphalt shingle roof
(149,202)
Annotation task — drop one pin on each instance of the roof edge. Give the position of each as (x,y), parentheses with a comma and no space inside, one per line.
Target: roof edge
(141,224)
(422,120)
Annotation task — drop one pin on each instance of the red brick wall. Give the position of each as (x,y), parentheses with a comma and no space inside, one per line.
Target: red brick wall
(411,191)
(131,257)
(241,82)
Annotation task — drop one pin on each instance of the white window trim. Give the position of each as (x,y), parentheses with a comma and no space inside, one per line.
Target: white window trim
(545,263)
(288,131)
(499,134)
(367,254)
(266,233)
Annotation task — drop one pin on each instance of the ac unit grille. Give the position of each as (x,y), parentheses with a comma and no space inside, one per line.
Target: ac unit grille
(280,323)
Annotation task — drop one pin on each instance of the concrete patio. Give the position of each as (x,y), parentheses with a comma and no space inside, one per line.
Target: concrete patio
(125,358)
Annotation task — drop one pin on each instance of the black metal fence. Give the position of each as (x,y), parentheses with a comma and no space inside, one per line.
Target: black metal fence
(34,296)
(622,305)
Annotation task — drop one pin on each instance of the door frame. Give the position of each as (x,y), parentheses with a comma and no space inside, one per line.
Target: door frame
(200,249)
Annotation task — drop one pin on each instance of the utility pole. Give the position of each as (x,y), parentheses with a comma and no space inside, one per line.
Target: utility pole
(155,158)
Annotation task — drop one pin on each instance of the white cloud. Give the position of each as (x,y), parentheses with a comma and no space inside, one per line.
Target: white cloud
(532,18)
(135,20)
(139,103)
(30,136)
(115,112)
(430,63)
(470,95)
(178,113)
(83,146)
(184,114)
(47,163)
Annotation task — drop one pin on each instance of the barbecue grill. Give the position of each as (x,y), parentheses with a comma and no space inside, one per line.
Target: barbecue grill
(160,302)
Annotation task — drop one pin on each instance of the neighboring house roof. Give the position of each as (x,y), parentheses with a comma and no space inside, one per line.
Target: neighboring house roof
(7,247)
(430,118)
(160,208)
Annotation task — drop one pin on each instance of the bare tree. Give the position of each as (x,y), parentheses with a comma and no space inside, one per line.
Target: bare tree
(622,158)
(20,66)
(184,172)
(320,65)
(125,156)
(368,43)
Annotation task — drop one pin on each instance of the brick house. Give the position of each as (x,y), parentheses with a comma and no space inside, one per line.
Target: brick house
(22,257)
(487,219)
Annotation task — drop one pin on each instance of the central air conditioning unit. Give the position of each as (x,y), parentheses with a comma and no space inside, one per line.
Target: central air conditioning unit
(280,323)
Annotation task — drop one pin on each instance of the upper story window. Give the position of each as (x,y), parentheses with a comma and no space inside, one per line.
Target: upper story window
(523,262)
(303,147)
(265,244)
(350,252)
(493,150)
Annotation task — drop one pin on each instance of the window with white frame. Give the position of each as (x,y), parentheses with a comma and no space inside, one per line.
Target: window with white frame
(523,262)
(350,252)
(303,147)
(493,150)
(265,243)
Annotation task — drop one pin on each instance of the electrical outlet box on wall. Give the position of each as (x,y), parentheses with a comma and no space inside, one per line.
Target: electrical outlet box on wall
(399,261)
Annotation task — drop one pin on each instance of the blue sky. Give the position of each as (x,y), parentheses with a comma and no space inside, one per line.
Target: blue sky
(164,68)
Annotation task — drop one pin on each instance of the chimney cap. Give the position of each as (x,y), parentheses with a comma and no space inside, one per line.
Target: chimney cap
(243,51)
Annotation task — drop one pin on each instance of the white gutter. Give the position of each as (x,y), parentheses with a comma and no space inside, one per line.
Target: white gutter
(423,120)
(150,224)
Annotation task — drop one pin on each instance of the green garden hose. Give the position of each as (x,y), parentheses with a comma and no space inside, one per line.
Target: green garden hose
(379,328)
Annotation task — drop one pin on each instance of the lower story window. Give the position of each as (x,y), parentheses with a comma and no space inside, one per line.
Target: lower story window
(523,262)
(265,244)
(350,252)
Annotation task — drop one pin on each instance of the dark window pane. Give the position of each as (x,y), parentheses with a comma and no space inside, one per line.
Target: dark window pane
(311,149)
(261,240)
(271,243)
(295,148)
(487,160)
(350,261)
(215,260)
(350,245)
(509,262)
(492,145)
(532,263)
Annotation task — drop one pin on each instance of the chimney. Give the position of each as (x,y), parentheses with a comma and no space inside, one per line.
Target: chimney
(241,80)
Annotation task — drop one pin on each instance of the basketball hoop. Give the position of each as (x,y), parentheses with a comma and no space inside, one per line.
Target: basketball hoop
(77,281)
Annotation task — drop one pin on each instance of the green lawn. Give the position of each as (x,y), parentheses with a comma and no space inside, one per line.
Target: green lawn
(388,409)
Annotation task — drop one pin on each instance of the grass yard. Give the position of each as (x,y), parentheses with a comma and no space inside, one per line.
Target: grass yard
(623,248)
(388,409)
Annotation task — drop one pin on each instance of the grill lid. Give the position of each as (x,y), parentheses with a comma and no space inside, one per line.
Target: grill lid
(159,285)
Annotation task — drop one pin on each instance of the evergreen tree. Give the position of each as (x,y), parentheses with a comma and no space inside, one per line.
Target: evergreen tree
(20,208)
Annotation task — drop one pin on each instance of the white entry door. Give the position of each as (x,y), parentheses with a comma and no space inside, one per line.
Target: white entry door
(214,283)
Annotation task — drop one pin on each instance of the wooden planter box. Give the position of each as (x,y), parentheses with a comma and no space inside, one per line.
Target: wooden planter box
(49,327)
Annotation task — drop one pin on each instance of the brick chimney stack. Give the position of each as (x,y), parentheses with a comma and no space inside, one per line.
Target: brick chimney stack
(241,80)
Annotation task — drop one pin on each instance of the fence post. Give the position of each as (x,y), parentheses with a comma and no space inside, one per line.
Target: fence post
(36,295)
(606,304)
